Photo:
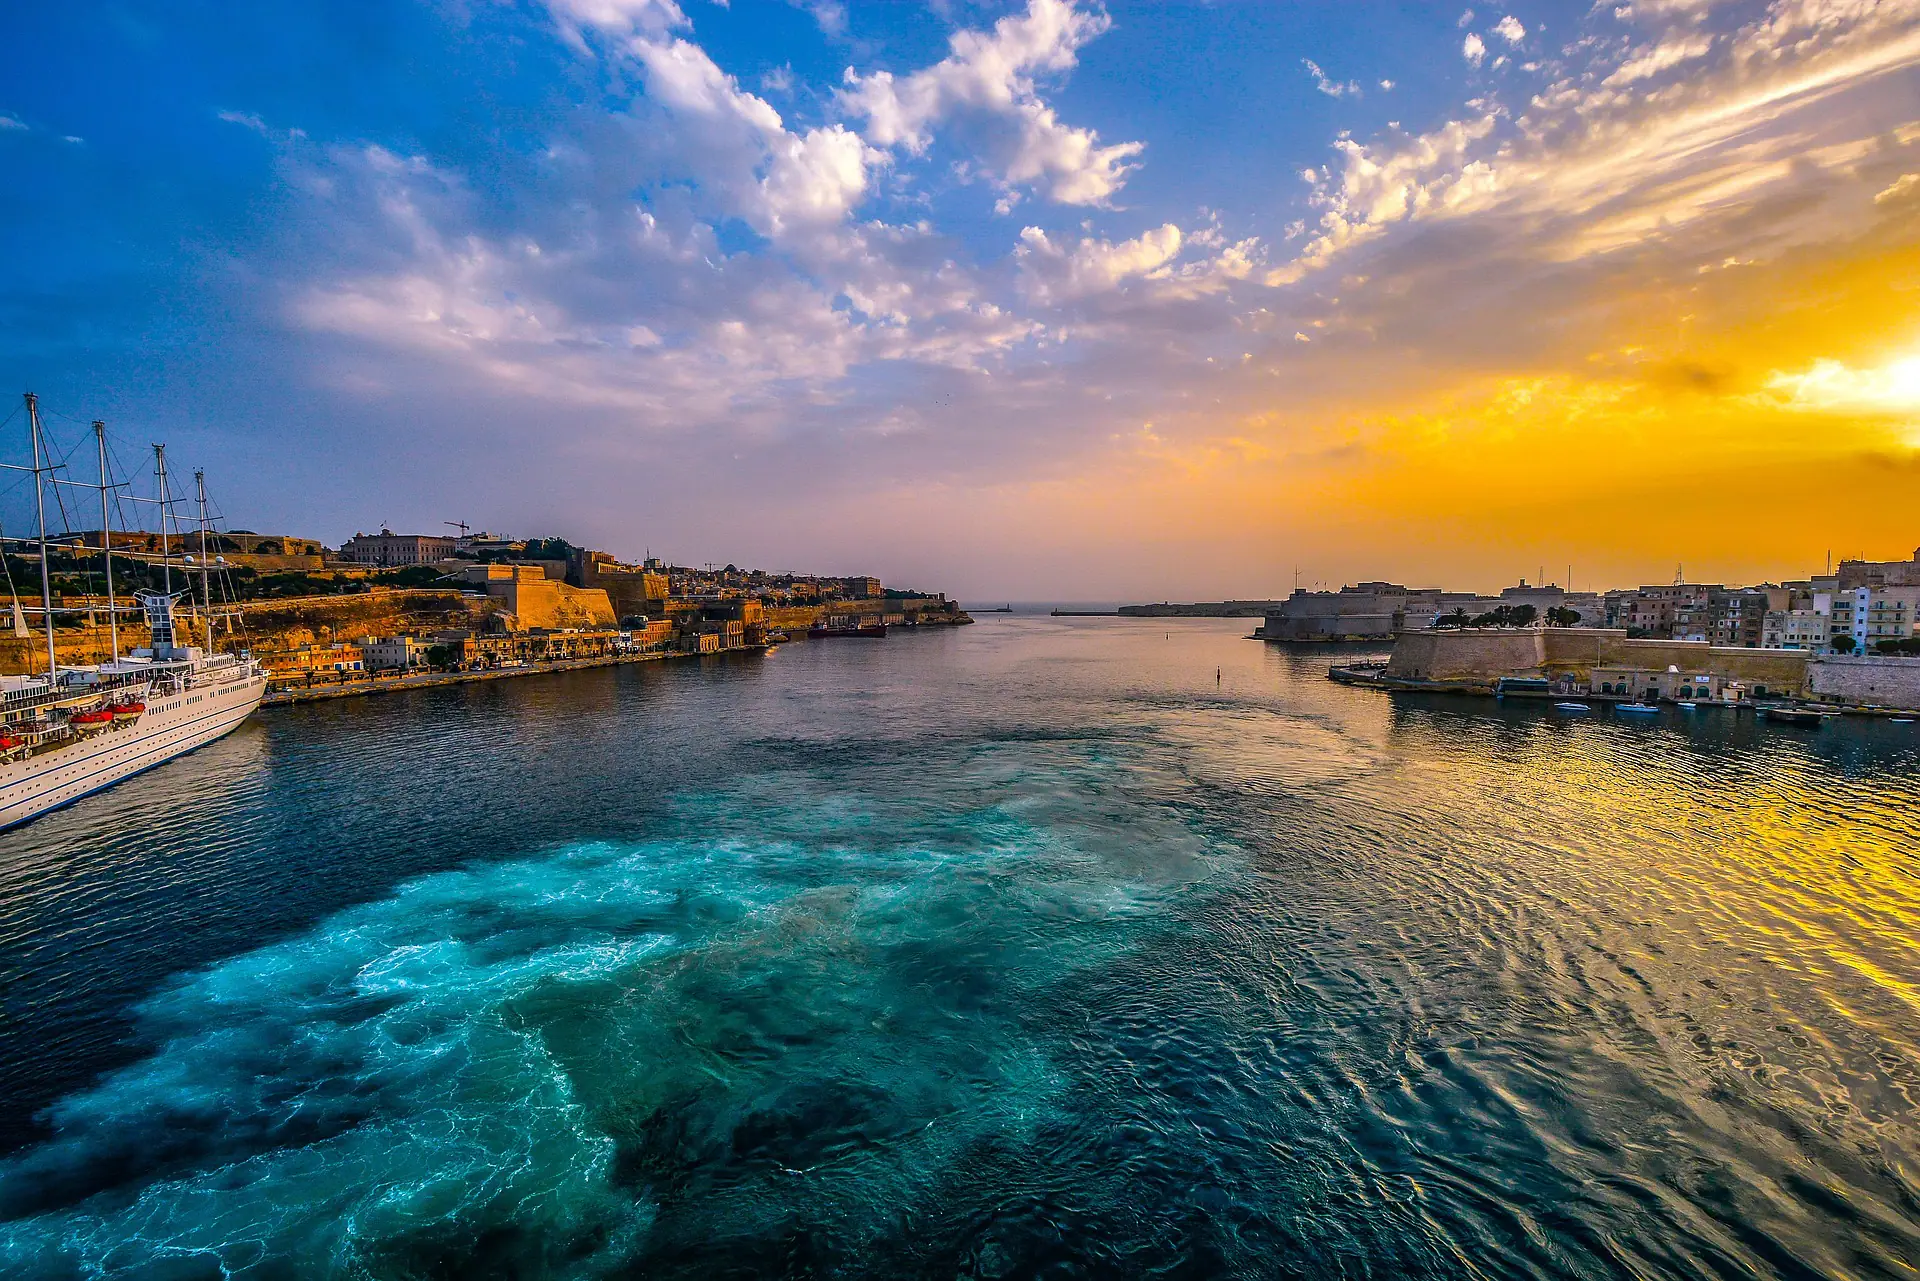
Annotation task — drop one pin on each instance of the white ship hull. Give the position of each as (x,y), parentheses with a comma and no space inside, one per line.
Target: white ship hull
(172,724)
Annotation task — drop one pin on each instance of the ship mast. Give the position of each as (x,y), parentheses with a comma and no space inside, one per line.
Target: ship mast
(106,538)
(40,510)
(166,565)
(206,566)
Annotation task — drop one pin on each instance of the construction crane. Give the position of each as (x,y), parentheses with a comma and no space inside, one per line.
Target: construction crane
(460,525)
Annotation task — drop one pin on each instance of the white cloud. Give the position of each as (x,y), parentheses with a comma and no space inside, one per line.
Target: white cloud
(9,122)
(1902,186)
(1332,88)
(1473,48)
(1510,30)
(1653,59)
(1597,163)
(986,87)
(1056,274)
(616,17)
(780,182)
(680,74)
(829,15)
(816,179)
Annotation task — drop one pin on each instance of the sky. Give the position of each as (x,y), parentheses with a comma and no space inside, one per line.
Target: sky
(1021,299)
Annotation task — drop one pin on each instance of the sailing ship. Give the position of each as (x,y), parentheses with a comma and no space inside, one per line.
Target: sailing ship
(77,729)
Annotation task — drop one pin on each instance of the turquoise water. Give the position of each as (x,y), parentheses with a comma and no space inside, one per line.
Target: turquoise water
(1018,950)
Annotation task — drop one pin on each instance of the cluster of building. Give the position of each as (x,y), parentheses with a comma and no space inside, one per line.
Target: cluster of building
(1863,607)
(549,601)
(453,649)
(388,550)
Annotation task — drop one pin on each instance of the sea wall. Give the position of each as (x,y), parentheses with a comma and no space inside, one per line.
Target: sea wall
(1485,655)
(1469,654)
(1866,682)
(1578,650)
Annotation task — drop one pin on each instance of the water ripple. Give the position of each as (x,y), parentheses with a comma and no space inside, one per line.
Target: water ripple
(1023,950)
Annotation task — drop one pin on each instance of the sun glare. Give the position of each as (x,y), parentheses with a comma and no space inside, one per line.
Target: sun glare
(1831,386)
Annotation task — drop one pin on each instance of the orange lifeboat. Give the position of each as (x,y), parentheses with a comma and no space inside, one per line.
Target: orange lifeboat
(128,711)
(98,718)
(8,743)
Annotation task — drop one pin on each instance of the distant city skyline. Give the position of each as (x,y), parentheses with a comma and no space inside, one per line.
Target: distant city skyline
(1030,299)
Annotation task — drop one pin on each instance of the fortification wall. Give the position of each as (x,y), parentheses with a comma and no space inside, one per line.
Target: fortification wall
(1466,655)
(1470,654)
(1866,682)
(545,602)
(1578,650)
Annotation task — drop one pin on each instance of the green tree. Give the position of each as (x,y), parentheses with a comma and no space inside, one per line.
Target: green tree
(1843,644)
(547,549)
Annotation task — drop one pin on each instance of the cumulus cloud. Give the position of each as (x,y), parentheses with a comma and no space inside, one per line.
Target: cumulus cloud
(1057,273)
(617,17)
(1510,30)
(1473,48)
(986,89)
(617,270)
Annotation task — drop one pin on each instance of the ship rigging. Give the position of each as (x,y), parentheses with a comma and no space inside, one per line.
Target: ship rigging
(78,728)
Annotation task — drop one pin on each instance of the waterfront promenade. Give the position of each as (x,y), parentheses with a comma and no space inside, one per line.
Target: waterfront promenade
(289,694)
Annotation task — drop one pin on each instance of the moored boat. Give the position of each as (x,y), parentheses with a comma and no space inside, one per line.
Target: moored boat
(1799,716)
(865,631)
(77,729)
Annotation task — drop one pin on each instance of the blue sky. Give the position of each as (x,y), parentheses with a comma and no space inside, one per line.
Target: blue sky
(1045,296)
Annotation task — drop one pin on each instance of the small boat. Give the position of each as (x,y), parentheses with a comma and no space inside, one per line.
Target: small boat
(128,711)
(1900,720)
(98,718)
(1799,716)
(1637,709)
(865,631)
(1571,707)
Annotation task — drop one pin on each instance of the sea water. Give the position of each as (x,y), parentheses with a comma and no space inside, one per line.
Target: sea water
(1089,947)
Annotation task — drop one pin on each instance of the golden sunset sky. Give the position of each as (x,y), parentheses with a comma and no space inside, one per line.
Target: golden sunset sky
(1028,298)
